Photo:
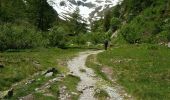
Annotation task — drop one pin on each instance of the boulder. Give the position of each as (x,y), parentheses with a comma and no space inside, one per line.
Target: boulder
(6,94)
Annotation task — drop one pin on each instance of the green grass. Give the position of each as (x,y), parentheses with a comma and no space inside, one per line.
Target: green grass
(71,83)
(91,63)
(144,70)
(22,64)
(39,96)
(101,95)
(23,89)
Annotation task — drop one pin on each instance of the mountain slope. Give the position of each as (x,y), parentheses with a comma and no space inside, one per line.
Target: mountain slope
(89,9)
(145,21)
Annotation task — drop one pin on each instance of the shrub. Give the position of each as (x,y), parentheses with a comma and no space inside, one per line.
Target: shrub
(115,23)
(130,34)
(141,30)
(19,37)
(57,37)
(94,38)
(97,38)
(81,39)
(162,37)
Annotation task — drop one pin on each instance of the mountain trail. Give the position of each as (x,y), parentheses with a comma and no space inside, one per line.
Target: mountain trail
(88,84)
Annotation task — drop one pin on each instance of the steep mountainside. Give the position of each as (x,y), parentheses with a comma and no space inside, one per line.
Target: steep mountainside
(89,9)
(144,21)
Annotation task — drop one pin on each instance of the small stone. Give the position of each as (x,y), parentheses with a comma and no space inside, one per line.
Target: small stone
(43,72)
(49,74)
(80,91)
(74,93)
(56,79)
(98,90)
(168,44)
(64,87)
(71,72)
(91,86)
(126,94)
(31,81)
(61,75)
(36,89)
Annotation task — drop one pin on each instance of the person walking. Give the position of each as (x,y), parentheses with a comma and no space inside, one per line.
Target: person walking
(106,43)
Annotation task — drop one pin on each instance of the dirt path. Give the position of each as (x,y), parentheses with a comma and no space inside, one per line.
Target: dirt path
(89,80)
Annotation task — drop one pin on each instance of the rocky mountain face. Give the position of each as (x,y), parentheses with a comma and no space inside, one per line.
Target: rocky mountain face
(89,9)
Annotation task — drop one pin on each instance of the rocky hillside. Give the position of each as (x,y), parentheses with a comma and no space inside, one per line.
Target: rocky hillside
(89,9)
(144,21)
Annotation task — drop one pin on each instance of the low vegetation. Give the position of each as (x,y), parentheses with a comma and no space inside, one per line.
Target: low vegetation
(19,65)
(144,21)
(71,83)
(93,63)
(143,70)
(101,95)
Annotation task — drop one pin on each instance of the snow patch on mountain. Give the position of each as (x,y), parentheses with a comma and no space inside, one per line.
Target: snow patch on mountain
(89,9)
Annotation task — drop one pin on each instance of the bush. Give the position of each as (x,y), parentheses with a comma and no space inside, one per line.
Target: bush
(130,34)
(19,37)
(162,37)
(57,37)
(94,38)
(115,23)
(141,30)
(97,38)
(81,39)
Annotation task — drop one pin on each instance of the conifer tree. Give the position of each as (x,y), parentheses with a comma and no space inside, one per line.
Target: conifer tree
(41,14)
(107,18)
(77,24)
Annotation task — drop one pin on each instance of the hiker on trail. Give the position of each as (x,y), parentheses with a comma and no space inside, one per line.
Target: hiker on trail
(106,43)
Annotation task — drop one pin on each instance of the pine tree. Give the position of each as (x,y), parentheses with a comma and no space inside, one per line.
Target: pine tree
(97,25)
(11,10)
(41,14)
(107,18)
(77,24)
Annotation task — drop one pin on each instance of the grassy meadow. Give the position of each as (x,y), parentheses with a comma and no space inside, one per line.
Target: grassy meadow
(23,64)
(143,70)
